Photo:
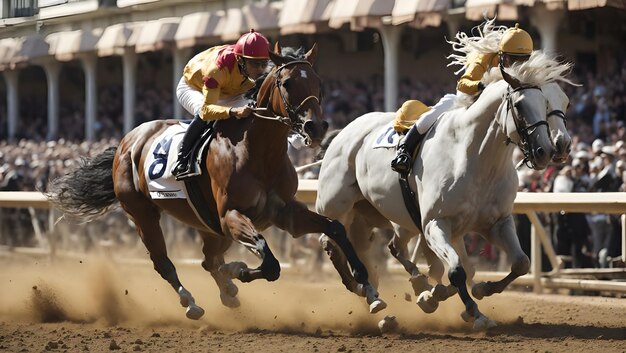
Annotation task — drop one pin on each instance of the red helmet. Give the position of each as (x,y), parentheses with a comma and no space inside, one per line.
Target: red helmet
(252,45)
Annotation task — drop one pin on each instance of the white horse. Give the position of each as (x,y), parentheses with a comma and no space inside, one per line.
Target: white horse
(463,174)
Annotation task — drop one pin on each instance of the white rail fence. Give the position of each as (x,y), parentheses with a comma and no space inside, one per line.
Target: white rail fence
(525,203)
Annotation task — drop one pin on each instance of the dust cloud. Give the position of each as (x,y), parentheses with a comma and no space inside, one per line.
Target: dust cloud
(99,292)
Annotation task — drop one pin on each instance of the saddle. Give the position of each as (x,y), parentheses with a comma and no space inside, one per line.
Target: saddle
(408,114)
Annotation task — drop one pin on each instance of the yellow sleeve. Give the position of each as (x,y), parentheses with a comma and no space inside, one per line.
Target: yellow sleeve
(476,68)
(211,89)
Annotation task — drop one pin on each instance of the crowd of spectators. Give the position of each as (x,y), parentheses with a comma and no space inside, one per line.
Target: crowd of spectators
(596,121)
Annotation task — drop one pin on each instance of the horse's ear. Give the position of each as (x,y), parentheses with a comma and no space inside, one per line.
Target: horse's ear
(311,54)
(276,58)
(515,83)
(277,49)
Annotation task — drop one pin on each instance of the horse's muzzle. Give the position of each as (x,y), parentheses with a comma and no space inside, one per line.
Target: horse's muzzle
(315,131)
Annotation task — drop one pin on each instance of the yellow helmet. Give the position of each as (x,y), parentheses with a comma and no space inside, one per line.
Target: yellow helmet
(516,41)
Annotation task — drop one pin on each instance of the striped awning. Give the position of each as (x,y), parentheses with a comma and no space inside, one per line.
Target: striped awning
(117,37)
(155,35)
(196,28)
(65,46)
(263,18)
(7,48)
(419,13)
(307,17)
(588,4)
(359,13)
(29,48)
(236,21)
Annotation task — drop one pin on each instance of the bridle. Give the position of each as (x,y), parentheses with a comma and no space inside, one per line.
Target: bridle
(524,130)
(293,120)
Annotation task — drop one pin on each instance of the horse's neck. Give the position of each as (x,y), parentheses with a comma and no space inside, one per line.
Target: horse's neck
(267,139)
(488,143)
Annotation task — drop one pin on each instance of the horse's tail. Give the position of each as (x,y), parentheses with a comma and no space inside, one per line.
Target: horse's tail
(330,136)
(85,192)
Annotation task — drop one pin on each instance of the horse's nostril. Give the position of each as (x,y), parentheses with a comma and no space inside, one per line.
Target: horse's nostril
(539,152)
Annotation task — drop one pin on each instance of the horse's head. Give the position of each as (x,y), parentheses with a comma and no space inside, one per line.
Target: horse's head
(524,117)
(557,105)
(295,93)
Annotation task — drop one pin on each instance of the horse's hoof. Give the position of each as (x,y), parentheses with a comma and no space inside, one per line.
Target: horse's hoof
(232,269)
(377,305)
(440,292)
(194,312)
(478,290)
(467,317)
(427,303)
(229,301)
(388,324)
(484,323)
(419,284)
(185,297)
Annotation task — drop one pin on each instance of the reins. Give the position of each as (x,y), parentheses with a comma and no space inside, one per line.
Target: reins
(292,118)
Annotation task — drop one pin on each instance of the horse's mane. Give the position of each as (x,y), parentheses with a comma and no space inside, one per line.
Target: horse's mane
(287,52)
(484,42)
(540,69)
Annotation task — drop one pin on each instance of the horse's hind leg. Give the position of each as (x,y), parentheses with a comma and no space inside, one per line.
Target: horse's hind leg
(298,220)
(437,234)
(340,262)
(503,235)
(214,247)
(241,229)
(146,218)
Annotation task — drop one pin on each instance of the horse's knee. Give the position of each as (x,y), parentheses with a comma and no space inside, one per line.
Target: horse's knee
(521,265)
(457,276)
(336,230)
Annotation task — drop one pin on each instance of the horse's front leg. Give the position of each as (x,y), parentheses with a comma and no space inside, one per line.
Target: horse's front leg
(298,220)
(438,235)
(503,235)
(242,230)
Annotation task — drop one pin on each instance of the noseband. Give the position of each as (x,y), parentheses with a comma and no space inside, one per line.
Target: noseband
(524,130)
(293,120)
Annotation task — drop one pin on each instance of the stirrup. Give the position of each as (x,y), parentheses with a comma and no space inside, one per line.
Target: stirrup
(182,170)
(402,163)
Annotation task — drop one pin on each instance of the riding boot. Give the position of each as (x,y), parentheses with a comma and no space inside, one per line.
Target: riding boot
(193,133)
(404,155)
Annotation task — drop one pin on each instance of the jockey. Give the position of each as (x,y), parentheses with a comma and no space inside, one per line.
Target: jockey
(213,85)
(514,45)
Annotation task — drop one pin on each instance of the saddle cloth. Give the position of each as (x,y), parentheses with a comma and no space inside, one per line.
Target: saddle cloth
(387,137)
(158,164)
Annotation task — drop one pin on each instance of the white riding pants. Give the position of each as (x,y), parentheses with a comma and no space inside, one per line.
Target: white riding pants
(428,119)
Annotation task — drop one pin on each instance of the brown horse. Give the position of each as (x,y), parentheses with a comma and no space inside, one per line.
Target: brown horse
(247,182)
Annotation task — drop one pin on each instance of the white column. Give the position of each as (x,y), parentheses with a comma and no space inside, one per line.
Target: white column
(547,23)
(90,65)
(453,21)
(129,64)
(391,42)
(53,70)
(178,64)
(13,104)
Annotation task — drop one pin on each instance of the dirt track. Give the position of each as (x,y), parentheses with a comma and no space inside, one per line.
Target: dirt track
(96,306)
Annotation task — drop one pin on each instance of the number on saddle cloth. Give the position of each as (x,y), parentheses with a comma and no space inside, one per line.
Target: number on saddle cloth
(408,114)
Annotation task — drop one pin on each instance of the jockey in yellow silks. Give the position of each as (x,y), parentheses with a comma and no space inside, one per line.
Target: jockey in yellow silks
(479,54)
(213,85)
